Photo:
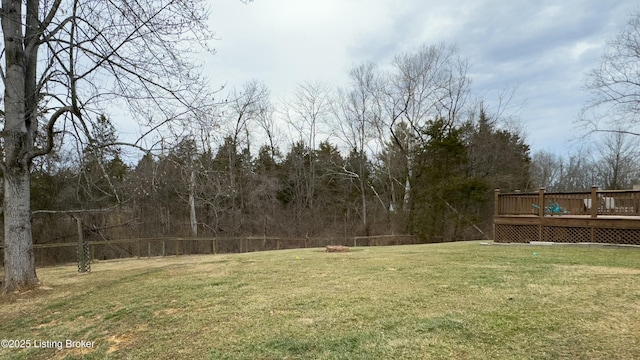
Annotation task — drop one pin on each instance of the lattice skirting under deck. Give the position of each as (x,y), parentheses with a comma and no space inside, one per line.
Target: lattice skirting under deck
(618,236)
(508,233)
(515,233)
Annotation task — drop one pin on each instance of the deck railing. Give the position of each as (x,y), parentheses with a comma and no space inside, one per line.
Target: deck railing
(594,203)
(596,216)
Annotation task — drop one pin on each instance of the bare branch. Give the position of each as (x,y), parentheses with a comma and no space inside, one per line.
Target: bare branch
(614,86)
(50,133)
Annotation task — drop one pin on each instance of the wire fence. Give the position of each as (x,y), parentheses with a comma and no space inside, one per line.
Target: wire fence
(83,252)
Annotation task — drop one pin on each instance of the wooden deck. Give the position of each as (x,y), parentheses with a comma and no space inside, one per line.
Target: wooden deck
(568,217)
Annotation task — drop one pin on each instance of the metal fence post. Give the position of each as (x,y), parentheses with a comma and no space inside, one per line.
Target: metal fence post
(84,253)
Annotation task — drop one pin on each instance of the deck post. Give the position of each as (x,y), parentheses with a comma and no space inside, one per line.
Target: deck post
(594,212)
(594,202)
(541,202)
(496,209)
(540,211)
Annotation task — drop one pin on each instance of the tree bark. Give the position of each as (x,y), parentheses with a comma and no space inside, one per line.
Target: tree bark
(192,202)
(19,261)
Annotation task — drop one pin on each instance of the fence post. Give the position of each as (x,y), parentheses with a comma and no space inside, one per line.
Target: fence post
(496,209)
(84,260)
(149,249)
(540,211)
(81,267)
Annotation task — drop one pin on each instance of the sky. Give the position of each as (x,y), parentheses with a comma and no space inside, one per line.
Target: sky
(543,49)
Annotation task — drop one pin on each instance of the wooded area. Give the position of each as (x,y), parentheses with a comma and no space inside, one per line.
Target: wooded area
(305,192)
(400,152)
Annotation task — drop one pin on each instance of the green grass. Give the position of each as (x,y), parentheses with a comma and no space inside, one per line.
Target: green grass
(445,301)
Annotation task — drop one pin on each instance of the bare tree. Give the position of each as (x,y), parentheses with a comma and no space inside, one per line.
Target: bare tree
(245,106)
(357,115)
(65,60)
(578,172)
(546,168)
(193,218)
(428,85)
(267,121)
(617,166)
(307,113)
(614,86)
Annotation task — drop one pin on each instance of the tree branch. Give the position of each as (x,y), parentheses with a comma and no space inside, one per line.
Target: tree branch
(50,133)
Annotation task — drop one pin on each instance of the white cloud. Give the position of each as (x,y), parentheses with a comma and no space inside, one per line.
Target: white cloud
(545,47)
(581,48)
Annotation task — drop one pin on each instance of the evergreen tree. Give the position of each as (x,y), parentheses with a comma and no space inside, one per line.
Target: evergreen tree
(443,196)
(102,170)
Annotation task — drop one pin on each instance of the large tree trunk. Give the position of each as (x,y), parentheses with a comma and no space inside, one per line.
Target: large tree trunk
(18,134)
(19,260)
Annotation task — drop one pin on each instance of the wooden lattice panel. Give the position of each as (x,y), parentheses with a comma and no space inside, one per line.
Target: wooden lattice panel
(515,233)
(566,234)
(617,236)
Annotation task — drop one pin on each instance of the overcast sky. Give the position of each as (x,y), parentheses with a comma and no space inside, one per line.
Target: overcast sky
(545,48)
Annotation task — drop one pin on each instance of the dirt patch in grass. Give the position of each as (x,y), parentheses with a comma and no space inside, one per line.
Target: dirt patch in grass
(118,342)
(166,312)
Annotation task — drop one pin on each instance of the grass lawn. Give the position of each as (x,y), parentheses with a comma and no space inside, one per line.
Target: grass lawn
(444,301)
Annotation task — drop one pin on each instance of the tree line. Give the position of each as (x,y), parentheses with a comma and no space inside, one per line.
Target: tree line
(398,152)
(232,191)
(402,151)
